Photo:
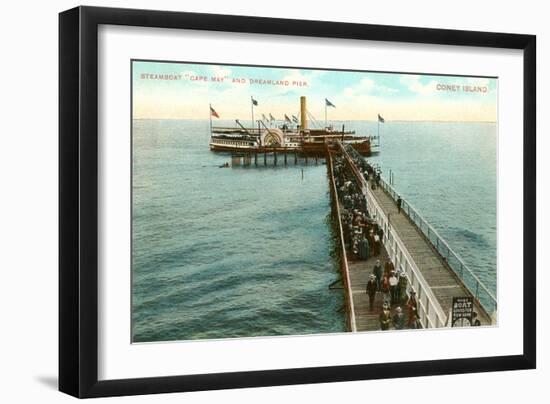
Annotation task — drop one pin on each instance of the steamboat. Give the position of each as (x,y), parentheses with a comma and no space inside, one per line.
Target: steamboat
(286,138)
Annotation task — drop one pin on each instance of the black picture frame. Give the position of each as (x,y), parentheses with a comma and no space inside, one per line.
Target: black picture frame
(78,200)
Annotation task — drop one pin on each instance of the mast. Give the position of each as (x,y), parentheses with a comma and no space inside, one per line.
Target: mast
(252,110)
(210,116)
(378,134)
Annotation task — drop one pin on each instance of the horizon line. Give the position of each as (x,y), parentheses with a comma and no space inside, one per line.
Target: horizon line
(333,120)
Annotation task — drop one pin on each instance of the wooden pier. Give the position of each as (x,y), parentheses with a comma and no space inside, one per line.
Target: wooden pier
(411,252)
(274,156)
(355,273)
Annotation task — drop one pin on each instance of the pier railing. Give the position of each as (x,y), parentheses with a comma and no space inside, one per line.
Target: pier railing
(344,268)
(430,313)
(485,298)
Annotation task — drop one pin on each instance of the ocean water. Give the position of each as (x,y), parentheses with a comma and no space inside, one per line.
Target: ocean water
(240,252)
(227,252)
(448,172)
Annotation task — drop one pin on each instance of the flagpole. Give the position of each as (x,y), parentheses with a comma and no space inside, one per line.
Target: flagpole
(210,116)
(252,109)
(378,120)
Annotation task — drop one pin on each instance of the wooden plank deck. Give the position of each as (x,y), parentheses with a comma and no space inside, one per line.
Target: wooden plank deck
(359,272)
(365,319)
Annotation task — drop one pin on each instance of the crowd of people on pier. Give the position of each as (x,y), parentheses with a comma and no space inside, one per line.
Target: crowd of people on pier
(370,172)
(362,235)
(363,240)
(393,286)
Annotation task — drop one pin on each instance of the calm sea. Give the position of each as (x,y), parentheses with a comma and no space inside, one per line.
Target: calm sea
(236,252)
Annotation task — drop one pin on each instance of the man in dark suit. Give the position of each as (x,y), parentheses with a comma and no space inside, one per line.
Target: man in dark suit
(371,291)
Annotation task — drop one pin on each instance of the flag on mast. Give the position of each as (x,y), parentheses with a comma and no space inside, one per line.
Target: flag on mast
(253,103)
(380,120)
(328,104)
(213,112)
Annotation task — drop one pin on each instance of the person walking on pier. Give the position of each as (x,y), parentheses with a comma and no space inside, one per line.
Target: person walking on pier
(399,319)
(394,288)
(412,306)
(402,288)
(363,249)
(377,244)
(413,322)
(399,202)
(372,242)
(377,272)
(371,291)
(385,288)
(388,267)
(385,317)
(475,320)
(380,233)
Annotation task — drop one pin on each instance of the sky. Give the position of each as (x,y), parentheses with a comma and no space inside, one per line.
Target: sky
(185,91)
